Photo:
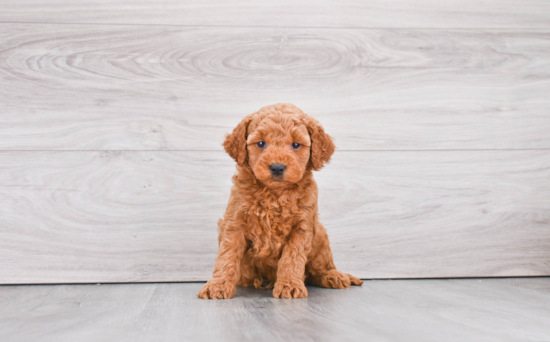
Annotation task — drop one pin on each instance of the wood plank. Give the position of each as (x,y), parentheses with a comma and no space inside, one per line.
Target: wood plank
(403,310)
(306,13)
(151,216)
(86,87)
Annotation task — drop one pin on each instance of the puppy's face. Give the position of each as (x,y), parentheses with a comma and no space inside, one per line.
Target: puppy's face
(278,150)
(279,143)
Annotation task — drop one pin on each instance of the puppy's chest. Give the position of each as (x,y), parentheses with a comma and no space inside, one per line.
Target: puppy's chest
(269,226)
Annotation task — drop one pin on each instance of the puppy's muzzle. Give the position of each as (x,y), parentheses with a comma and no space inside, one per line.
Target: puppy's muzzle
(277,169)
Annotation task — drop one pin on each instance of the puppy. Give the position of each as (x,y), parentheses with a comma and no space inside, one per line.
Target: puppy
(270,236)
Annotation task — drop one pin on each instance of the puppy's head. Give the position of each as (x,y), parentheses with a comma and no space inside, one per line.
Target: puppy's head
(279,143)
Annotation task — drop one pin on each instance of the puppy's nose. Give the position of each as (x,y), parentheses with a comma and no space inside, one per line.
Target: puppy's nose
(277,169)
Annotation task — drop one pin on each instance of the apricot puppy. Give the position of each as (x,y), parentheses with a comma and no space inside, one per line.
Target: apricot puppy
(270,236)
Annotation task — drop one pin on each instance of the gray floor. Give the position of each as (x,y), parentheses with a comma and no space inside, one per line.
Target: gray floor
(505,309)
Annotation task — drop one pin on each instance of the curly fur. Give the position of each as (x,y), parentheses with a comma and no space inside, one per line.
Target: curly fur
(270,236)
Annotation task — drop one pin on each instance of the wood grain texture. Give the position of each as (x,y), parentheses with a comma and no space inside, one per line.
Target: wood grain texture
(402,310)
(440,110)
(113,216)
(89,87)
(305,13)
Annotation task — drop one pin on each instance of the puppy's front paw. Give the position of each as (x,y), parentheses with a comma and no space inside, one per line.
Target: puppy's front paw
(291,288)
(217,288)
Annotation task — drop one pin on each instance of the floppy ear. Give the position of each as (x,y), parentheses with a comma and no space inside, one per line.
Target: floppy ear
(235,143)
(322,146)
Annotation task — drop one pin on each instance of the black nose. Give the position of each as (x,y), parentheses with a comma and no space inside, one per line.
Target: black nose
(277,169)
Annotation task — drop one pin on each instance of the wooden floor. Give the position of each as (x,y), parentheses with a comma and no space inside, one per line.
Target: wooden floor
(503,309)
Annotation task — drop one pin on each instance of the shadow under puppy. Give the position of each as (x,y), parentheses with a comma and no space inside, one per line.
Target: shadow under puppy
(270,236)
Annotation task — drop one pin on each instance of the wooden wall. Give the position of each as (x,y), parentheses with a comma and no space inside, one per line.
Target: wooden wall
(112,115)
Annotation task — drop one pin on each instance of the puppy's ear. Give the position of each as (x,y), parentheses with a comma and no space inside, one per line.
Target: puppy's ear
(322,146)
(235,143)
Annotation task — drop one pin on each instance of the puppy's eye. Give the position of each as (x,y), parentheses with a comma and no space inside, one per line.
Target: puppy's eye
(261,144)
(296,145)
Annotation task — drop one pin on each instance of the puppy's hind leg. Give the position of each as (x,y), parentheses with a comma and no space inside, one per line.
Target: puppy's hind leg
(333,279)
(248,274)
(320,269)
(263,284)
